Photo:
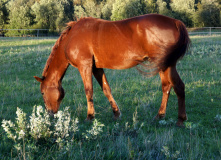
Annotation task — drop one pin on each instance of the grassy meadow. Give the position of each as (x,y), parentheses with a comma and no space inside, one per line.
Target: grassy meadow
(135,135)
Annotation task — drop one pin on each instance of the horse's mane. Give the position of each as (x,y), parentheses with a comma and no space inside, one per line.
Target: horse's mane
(62,36)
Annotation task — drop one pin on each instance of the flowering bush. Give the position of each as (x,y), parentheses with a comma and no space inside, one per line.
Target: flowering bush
(40,126)
(39,123)
(18,130)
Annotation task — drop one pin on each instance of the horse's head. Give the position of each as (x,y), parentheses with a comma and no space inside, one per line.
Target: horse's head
(52,95)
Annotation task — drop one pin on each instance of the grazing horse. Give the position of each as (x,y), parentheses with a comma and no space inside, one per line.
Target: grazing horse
(91,44)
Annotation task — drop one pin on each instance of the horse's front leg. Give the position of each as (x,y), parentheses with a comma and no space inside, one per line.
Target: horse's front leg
(102,80)
(86,75)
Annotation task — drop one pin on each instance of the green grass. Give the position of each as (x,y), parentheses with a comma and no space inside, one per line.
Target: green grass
(21,59)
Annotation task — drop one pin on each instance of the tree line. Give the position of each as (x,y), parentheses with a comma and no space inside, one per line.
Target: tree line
(53,14)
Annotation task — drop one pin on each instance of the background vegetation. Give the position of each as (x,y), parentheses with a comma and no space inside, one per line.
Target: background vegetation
(135,136)
(53,14)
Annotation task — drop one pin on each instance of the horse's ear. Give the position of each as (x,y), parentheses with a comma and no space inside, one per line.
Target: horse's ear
(39,79)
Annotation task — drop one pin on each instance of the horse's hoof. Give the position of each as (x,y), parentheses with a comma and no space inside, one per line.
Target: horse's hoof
(89,118)
(117,115)
(180,124)
(180,121)
(159,116)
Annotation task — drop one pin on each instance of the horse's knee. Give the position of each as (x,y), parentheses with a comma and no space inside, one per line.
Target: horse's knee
(89,94)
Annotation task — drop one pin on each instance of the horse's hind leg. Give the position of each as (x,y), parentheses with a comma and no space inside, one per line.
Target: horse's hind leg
(179,89)
(166,87)
(102,80)
(170,78)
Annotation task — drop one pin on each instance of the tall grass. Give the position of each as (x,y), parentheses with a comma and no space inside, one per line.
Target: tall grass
(136,135)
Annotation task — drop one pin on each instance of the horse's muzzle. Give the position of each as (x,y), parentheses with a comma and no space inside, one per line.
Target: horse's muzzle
(51,113)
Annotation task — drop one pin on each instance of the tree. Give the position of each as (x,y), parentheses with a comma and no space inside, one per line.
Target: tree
(66,11)
(19,14)
(51,14)
(107,9)
(45,12)
(208,14)
(79,12)
(4,13)
(162,8)
(92,9)
(184,10)
(149,6)
(125,9)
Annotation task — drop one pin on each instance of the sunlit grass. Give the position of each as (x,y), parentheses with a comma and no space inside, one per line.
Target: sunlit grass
(136,135)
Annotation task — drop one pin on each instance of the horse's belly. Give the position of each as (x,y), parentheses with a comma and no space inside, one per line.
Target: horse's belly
(118,61)
(115,65)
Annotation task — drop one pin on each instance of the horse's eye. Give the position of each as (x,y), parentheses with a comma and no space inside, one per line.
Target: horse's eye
(42,93)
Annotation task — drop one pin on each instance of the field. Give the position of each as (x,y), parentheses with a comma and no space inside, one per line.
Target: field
(136,135)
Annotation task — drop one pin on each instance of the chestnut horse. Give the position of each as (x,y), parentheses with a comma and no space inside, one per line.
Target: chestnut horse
(93,44)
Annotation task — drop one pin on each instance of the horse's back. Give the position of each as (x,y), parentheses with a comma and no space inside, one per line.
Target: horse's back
(120,44)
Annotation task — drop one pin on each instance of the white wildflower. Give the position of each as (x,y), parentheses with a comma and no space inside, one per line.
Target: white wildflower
(21,134)
(7,126)
(39,111)
(96,129)
(40,123)
(21,121)
(17,146)
(74,126)
(63,123)
(59,140)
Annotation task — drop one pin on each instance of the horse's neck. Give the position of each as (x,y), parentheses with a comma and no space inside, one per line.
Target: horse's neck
(57,67)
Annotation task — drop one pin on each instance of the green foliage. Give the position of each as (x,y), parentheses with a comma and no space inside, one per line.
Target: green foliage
(149,6)
(3,13)
(79,12)
(208,14)
(126,9)
(184,10)
(92,9)
(88,8)
(2,22)
(107,9)
(19,15)
(49,14)
(162,8)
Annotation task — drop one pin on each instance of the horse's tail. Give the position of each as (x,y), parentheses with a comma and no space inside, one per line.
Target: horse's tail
(169,54)
(170,57)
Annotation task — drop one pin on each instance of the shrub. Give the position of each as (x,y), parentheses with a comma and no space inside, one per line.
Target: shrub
(40,127)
